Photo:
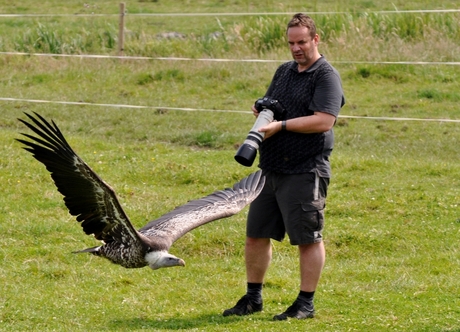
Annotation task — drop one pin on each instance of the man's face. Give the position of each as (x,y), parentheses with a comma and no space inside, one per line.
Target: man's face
(303,47)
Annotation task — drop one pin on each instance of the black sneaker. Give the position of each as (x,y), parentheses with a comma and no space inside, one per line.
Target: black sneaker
(297,310)
(245,306)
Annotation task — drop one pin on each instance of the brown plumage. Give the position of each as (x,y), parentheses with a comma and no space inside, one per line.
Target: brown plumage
(96,207)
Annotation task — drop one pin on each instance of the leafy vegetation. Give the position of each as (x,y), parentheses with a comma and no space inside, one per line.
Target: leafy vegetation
(150,31)
(392,217)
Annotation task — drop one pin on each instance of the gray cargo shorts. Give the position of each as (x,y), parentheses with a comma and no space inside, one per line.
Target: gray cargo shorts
(292,204)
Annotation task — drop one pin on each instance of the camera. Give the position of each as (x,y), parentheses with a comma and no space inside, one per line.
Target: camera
(269,109)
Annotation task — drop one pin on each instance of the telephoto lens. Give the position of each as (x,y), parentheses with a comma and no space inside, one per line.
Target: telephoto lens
(247,152)
(269,109)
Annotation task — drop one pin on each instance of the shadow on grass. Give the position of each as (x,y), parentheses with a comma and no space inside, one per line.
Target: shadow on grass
(178,323)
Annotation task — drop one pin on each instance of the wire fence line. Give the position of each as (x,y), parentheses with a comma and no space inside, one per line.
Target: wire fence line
(188,109)
(99,56)
(410,11)
(125,13)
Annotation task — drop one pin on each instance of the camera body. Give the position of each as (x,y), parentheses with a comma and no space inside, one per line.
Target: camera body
(269,109)
(273,105)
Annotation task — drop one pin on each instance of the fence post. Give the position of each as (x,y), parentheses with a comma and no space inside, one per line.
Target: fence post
(121,30)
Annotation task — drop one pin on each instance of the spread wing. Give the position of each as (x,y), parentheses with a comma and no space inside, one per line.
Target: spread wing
(220,204)
(86,195)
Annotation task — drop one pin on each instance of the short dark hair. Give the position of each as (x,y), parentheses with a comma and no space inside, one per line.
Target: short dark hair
(302,20)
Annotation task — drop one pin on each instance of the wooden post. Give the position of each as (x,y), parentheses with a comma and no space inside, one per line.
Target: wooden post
(121,30)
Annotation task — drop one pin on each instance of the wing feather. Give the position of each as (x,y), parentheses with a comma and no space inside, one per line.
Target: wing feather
(220,204)
(86,195)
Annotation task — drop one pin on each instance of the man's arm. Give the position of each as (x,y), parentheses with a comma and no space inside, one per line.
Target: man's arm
(319,122)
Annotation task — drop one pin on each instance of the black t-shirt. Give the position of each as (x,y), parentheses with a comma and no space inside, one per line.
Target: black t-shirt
(317,89)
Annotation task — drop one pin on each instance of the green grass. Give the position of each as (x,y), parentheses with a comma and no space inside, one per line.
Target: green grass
(392,221)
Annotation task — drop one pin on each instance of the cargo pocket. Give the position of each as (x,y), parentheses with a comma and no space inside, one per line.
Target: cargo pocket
(313,219)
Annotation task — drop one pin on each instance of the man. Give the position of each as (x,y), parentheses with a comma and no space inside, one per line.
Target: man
(295,159)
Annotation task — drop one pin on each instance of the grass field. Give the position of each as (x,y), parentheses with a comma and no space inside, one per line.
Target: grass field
(392,220)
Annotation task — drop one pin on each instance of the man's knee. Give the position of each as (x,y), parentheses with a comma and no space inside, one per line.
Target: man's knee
(257,242)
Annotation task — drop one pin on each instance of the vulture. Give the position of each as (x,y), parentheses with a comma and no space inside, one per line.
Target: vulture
(96,207)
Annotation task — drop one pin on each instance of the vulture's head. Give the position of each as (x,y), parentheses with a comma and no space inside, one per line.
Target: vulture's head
(159,259)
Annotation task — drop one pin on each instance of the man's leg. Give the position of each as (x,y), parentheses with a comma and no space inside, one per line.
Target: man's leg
(312,258)
(258,253)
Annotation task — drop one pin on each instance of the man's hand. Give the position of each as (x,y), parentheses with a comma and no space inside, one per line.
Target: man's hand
(271,129)
(255,111)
